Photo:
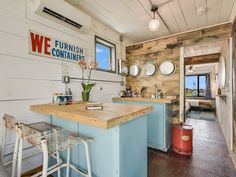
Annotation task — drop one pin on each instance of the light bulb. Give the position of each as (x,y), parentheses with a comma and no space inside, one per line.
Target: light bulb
(154,24)
(190,69)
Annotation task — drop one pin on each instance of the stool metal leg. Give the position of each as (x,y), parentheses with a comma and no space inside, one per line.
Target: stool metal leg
(19,162)
(68,161)
(87,158)
(15,155)
(45,157)
(57,154)
(3,143)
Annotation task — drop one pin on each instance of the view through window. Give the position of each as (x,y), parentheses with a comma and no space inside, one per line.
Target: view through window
(105,54)
(195,86)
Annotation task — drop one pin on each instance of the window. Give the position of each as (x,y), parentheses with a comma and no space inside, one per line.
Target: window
(195,86)
(105,54)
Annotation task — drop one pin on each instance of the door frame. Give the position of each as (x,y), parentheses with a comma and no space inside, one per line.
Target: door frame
(182,83)
(233,44)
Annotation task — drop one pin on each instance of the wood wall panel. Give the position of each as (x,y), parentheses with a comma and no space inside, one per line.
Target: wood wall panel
(160,50)
(202,59)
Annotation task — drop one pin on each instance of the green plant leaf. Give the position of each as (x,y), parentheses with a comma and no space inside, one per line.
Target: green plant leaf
(83,85)
(88,87)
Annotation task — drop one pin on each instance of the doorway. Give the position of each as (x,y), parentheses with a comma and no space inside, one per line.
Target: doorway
(200,81)
(200,91)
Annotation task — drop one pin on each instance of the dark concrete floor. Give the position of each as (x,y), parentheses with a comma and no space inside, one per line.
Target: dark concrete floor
(210,156)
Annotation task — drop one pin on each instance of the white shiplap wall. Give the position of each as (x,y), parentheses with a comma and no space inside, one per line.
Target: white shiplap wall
(222,104)
(26,79)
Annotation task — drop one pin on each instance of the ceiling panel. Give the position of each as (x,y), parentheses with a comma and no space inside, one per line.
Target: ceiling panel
(170,20)
(226,10)
(203,49)
(201,17)
(178,15)
(131,17)
(213,11)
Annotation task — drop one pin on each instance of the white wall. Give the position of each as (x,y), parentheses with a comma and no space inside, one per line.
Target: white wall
(26,79)
(204,69)
(224,104)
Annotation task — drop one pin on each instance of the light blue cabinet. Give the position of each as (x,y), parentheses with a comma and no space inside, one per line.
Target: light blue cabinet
(120,151)
(159,124)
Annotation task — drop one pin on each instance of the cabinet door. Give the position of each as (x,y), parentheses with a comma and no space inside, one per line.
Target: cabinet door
(168,125)
(156,127)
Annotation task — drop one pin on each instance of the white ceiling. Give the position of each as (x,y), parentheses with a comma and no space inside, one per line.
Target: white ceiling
(203,49)
(131,17)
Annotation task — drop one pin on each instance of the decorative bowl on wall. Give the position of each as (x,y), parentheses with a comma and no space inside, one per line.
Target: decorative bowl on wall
(167,68)
(134,70)
(150,69)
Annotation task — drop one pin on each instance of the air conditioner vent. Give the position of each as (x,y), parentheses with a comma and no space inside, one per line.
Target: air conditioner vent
(61,17)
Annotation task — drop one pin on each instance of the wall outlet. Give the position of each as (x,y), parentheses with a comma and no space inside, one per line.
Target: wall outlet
(66,79)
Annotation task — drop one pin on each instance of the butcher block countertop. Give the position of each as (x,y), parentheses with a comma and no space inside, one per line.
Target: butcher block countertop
(149,100)
(111,115)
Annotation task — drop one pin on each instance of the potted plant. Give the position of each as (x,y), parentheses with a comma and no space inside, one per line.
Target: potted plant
(87,86)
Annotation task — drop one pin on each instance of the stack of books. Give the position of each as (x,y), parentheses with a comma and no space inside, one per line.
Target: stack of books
(94,106)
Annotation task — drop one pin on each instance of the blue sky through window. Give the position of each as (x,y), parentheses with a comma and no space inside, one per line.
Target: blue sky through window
(191,82)
(202,82)
(103,56)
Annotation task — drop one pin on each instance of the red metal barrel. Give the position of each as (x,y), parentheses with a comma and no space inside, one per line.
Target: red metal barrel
(182,139)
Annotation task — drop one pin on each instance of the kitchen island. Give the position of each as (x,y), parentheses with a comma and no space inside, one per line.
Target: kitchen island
(119,132)
(159,120)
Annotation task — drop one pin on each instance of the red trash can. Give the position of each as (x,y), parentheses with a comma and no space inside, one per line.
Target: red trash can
(182,139)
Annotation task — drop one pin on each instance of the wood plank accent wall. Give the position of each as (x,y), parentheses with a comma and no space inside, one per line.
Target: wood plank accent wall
(202,59)
(163,49)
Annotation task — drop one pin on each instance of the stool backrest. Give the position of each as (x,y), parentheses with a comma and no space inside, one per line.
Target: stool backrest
(9,121)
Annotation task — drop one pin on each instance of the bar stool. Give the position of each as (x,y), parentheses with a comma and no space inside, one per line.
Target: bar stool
(40,128)
(53,142)
(11,123)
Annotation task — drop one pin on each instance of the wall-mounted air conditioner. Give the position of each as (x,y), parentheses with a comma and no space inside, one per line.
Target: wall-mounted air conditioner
(63,13)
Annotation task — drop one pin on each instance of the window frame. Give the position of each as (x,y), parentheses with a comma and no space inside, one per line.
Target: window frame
(111,53)
(198,75)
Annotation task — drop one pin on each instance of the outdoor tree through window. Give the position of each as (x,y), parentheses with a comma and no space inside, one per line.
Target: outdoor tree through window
(195,86)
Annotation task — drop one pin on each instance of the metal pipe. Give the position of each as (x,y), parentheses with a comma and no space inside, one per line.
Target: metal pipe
(100,80)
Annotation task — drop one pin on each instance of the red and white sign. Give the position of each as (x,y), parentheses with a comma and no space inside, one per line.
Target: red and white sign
(47,46)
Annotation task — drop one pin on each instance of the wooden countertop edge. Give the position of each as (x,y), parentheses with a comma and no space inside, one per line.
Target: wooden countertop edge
(73,117)
(134,115)
(92,121)
(148,100)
